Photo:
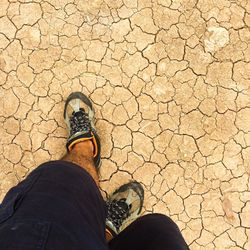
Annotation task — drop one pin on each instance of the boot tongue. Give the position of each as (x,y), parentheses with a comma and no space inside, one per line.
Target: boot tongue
(79,112)
(123,205)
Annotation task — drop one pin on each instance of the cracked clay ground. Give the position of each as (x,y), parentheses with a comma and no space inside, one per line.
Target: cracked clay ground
(170,82)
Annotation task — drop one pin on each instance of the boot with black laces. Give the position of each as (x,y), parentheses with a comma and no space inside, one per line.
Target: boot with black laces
(124,206)
(79,117)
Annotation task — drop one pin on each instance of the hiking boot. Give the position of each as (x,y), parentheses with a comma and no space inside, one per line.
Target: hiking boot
(124,206)
(79,117)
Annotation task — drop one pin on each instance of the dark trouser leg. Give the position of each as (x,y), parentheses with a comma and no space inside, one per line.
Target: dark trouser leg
(150,232)
(58,206)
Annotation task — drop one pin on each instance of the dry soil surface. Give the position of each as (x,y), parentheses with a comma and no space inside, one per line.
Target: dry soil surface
(170,84)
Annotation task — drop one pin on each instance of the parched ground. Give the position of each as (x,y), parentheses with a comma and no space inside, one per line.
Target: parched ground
(170,81)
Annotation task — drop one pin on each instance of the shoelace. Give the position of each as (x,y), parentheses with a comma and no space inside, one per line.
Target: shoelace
(79,121)
(118,211)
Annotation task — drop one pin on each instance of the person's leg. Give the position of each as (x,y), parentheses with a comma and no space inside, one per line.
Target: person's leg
(59,205)
(150,232)
(82,155)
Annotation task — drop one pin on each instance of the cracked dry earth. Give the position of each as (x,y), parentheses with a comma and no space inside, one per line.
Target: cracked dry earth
(170,81)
